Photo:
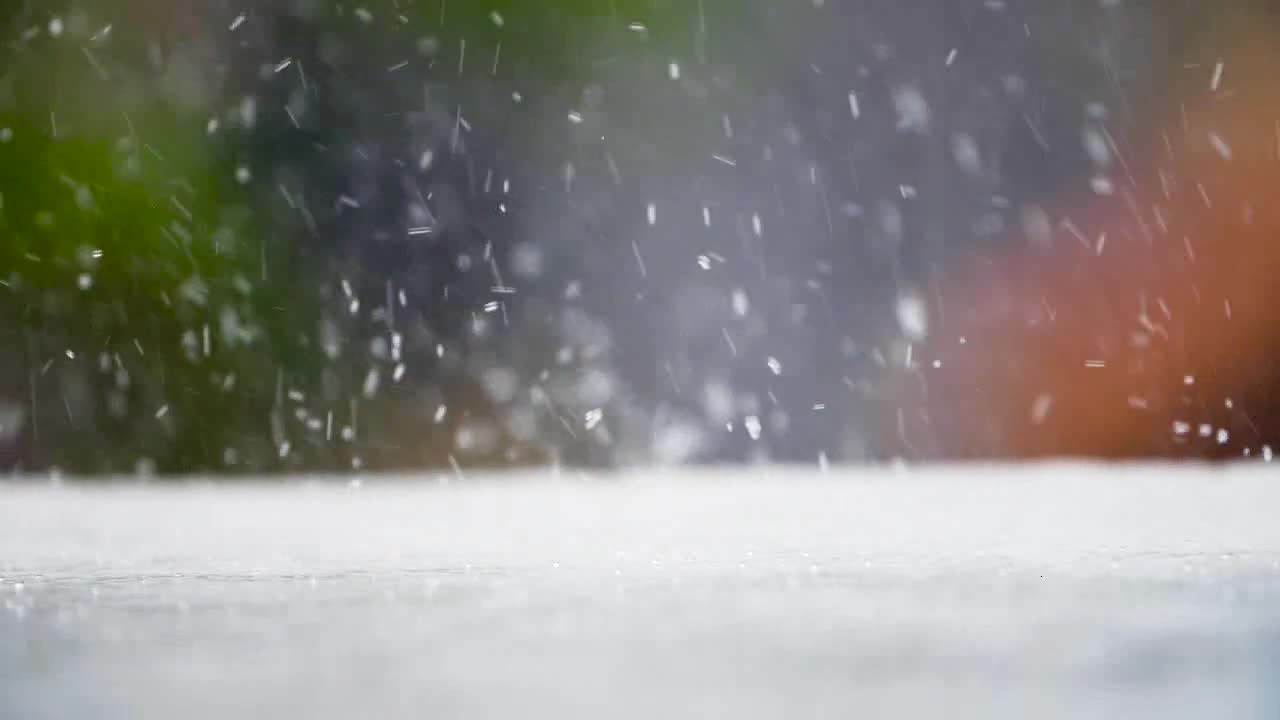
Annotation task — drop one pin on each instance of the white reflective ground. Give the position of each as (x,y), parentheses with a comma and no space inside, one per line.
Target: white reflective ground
(1038,592)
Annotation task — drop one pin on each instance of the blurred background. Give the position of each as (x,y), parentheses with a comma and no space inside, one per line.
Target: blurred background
(311,235)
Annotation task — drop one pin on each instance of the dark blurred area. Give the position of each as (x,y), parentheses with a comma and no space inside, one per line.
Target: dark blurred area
(331,236)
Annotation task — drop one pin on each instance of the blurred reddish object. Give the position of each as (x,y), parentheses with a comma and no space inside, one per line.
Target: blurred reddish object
(1148,325)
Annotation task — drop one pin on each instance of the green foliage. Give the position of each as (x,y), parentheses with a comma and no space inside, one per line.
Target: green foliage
(143,314)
